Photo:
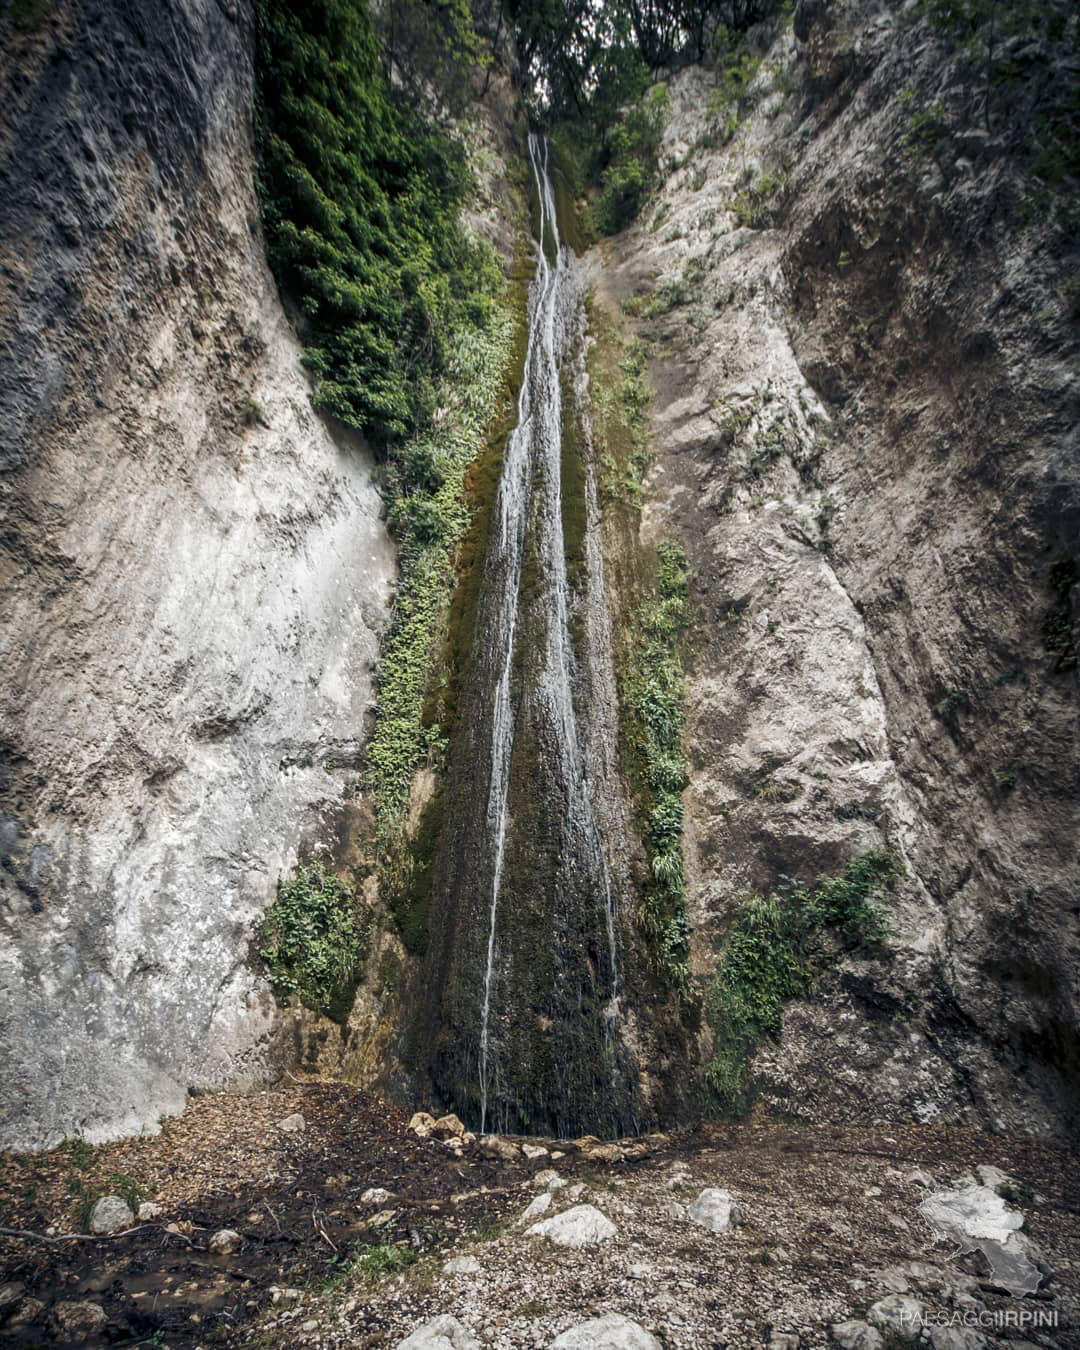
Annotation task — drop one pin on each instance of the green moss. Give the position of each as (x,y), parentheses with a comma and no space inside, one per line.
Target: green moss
(773,952)
(314,940)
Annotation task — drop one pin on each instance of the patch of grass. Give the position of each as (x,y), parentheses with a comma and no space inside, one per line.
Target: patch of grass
(78,1151)
(367,1265)
(253,414)
(533,1307)
(314,940)
(753,206)
(128,1189)
(729,101)
(773,952)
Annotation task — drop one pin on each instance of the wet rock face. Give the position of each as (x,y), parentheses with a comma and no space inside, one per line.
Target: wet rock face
(863,434)
(194,572)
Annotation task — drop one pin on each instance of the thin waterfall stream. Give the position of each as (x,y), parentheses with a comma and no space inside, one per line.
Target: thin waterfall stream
(527,965)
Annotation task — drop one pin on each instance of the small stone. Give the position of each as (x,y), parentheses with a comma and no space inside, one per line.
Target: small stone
(383,1217)
(294,1124)
(29,1310)
(604,1153)
(582,1226)
(422,1124)
(110,1215)
(149,1209)
(538,1207)
(448,1127)
(224,1242)
(612,1332)
(495,1147)
(892,1279)
(10,1295)
(77,1321)
(557,1154)
(856,1335)
(784,1340)
(576,1190)
(376,1195)
(462,1265)
(533,1151)
(716,1210)
(441,1333)
(309,1325)
(903,1316)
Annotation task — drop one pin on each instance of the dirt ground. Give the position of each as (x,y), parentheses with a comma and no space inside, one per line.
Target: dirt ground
(831,1226)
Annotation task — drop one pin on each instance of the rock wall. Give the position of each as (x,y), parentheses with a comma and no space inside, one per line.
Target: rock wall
(864,426)
(195,572)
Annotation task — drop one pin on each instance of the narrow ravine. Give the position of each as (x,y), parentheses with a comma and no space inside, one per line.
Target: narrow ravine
(525,894)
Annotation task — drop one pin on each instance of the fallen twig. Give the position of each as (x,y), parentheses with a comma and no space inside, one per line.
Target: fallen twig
(88,1237)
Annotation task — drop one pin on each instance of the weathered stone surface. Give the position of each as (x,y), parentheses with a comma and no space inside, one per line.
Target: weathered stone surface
(422,1124)
(497,1147)
(110,1214)
(540,1205)
(376,1195)
(534,1151)
(77,1320)
(224,1242)
(149,1209)
(612,1332)
(899,1315)
(449,1127)
(294,1124)
(715,1209)
(582,1226)
(188,637)
(462,1265)
(441,1333)
(856,1335)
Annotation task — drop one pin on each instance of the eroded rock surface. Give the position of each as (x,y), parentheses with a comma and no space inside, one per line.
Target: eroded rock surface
(194,573)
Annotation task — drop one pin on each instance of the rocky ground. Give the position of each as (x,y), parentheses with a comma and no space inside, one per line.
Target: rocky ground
(311,1215)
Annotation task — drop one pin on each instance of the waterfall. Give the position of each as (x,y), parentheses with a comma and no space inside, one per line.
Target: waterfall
(534,992)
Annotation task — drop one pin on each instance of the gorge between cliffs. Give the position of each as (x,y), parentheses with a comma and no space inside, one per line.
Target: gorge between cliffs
(539,600)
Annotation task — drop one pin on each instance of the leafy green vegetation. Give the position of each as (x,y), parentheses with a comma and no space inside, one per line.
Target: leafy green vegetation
(361,203)
(367,1264)
(631,149)
(652,693)
(774,950)
(1019,58)
(314,940)
(752,204)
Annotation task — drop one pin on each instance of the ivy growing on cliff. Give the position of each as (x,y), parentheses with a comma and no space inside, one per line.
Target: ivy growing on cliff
(314,940)
(653,694)
(361,201)
(773,952)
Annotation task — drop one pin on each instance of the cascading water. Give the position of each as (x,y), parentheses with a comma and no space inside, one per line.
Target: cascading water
(525,956)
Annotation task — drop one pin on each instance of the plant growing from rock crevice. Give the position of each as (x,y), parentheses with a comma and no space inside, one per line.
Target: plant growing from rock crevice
(774,950)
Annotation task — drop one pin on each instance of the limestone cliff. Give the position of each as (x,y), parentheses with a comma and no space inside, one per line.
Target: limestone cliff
(864,430)
(195,572)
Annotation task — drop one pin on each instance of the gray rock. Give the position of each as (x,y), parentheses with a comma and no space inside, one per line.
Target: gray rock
(582,1226)
(441,1333)
(376,1195)
(534,1151)
(149,1209)
(462,1265)
(612,1332)
(448,1127)
(77,1320)
(294,1124)
(496,1147)
(538,1206)
(11,1295)
(224,1242)
(899,1314)
(110,1214)
(716,1210)
(784,1340)
(856,1335)
(422,1124)
(956,1338)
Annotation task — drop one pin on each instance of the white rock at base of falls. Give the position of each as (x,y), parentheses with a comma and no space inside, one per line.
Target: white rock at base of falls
(606,1333)
(582,1226)
(441,1333)
(716,1210)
